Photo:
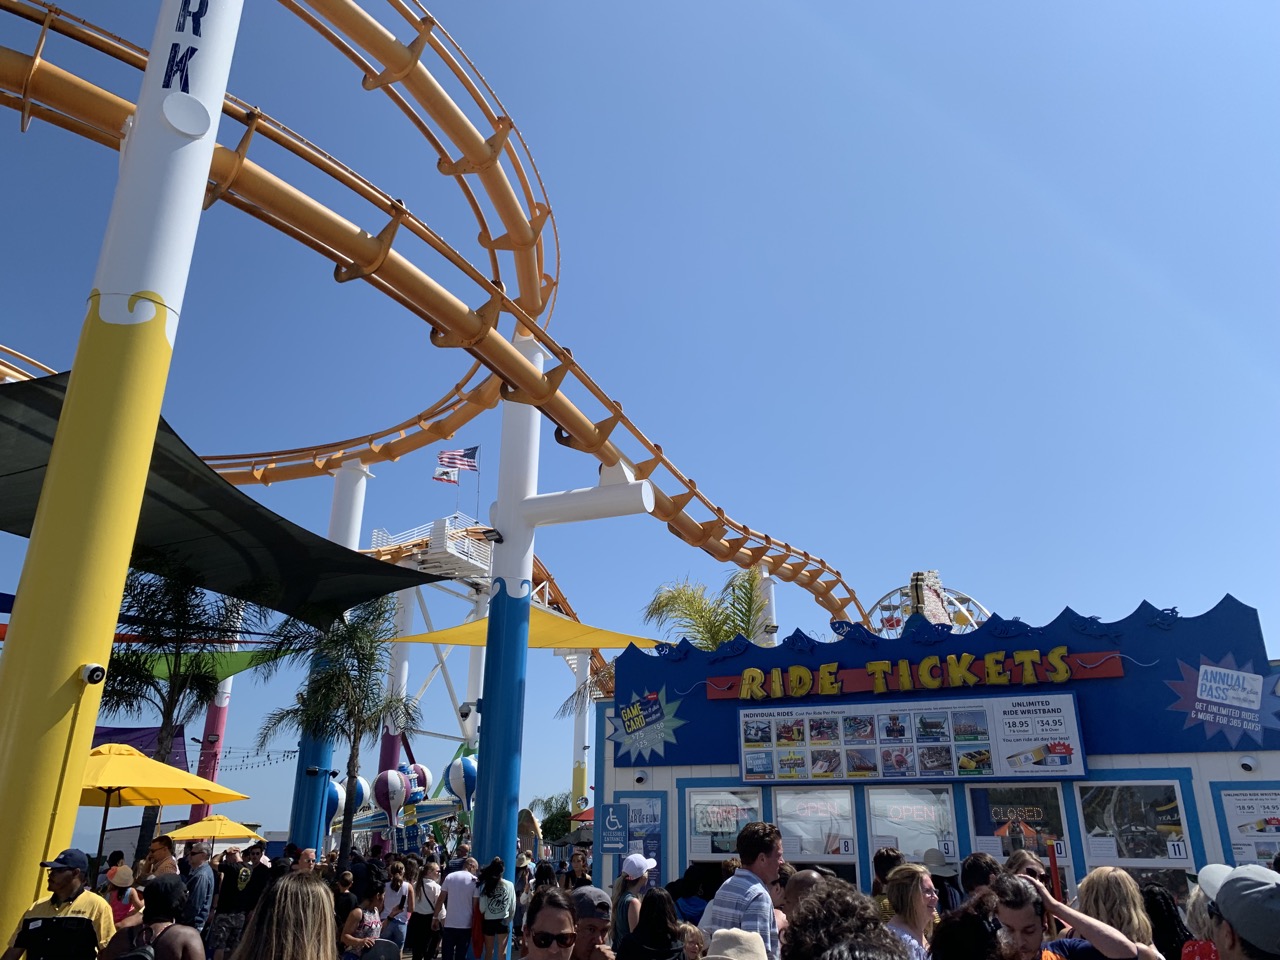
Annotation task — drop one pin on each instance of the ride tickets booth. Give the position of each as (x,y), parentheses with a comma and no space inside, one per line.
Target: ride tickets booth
(1147,744)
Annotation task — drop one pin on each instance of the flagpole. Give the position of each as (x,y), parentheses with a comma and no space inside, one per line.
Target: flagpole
(477,483)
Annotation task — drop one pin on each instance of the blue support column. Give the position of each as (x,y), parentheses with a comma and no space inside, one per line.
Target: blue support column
(497,799)
(306,818)
(519,510)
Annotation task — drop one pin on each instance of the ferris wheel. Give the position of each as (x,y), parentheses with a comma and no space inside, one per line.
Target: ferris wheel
(926,595)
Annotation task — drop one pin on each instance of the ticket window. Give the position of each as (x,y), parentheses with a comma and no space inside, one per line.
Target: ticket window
(715,816)
(1006,817)
(1140,826)
(914,819)
(817,826)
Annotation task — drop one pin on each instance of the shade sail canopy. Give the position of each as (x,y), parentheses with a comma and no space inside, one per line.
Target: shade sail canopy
(191,516)
(546,630)
(120,776)
(216,827)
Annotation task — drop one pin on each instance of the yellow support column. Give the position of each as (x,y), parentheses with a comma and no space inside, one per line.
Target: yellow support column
(68,600)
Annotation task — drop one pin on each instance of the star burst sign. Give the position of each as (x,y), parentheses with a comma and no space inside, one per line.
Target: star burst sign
(1232,724)
(646,725)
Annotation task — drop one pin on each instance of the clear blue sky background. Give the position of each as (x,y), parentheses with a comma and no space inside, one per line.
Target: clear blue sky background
(986,288)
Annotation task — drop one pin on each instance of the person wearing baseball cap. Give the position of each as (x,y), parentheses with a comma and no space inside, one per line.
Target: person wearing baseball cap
(627,890)
(593,914)
(72,923)
(1245,913)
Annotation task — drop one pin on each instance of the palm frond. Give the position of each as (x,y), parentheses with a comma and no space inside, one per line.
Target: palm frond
(743,603)
(587,692)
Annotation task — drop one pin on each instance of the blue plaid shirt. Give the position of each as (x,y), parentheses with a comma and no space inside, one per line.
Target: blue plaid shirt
(743,903)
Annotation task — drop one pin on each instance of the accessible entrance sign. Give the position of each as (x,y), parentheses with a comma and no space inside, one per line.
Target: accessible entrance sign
(614,821)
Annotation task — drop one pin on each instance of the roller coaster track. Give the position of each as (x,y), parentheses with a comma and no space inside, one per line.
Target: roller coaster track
(591,421)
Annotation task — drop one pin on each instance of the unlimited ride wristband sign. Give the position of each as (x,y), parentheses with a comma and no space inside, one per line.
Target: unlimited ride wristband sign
(987,739)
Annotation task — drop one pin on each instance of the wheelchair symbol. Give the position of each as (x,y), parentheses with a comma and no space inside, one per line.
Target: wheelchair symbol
(612,822)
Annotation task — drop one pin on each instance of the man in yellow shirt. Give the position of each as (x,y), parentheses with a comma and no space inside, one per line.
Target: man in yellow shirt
(72,923)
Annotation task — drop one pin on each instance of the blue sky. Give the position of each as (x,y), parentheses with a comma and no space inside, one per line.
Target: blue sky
(983,288)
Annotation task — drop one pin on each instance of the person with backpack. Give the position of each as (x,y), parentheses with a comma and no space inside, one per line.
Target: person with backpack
(160,936)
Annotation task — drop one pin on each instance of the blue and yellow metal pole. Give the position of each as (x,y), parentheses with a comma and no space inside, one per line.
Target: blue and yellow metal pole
(69,593)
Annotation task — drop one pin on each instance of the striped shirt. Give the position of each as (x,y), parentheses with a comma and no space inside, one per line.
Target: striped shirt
(743,903)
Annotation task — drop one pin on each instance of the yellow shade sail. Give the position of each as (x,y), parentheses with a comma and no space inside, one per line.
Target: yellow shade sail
(547,630)
(216,827)
(119,776)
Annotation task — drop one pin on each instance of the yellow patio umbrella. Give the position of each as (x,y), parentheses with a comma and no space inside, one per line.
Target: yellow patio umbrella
(216,827)
(119,776)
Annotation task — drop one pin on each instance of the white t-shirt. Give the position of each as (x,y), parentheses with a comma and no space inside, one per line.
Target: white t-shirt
(460,890)
(426,903)
(392,900)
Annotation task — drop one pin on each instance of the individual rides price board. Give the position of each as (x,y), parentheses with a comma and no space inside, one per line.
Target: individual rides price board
(1006,738)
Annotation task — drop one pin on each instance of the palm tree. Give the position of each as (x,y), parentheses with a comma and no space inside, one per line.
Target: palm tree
(683,608)
(344,698)
(555,812)
(170,665)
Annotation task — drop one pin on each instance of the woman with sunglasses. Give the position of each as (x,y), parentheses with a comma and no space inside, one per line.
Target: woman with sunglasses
(911,894)
(1024,863)
(550,926)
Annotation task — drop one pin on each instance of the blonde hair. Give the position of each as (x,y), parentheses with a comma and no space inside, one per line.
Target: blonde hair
(903,887)
(690,933)
(624,884)
(1112,896)
(293,921)
(1198,921)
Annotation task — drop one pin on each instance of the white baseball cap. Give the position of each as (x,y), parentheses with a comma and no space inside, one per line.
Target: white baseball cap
(637,865)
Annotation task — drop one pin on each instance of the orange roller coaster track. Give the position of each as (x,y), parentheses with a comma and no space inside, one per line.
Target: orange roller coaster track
(590,421)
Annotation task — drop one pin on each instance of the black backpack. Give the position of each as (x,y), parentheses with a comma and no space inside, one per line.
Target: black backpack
(146,951)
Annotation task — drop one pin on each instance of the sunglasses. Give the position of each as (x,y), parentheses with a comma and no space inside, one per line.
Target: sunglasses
(543,940)
(1037,874)
(1212,909)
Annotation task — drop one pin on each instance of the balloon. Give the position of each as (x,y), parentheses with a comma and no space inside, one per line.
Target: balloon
(334,802)
(362,791)
(423,776)
(390,789)
(460,781)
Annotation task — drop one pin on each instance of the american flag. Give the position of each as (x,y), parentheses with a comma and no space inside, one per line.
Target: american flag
(462,459)
(446,474)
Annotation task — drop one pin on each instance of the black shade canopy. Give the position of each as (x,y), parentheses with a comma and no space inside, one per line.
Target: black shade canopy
(191,516)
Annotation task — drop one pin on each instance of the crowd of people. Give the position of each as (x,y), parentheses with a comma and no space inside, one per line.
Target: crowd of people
(241,906)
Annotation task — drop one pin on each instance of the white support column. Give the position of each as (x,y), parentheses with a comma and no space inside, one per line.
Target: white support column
(581,745)
(767,587)
(475,674)
(345,518)
(519,510)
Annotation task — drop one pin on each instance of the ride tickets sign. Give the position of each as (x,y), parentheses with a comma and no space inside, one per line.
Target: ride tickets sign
(1154,681)
(1006,738)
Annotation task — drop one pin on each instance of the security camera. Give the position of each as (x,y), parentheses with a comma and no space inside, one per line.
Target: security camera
(641,776)
(1248,763)
(464,711)
(93,674)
